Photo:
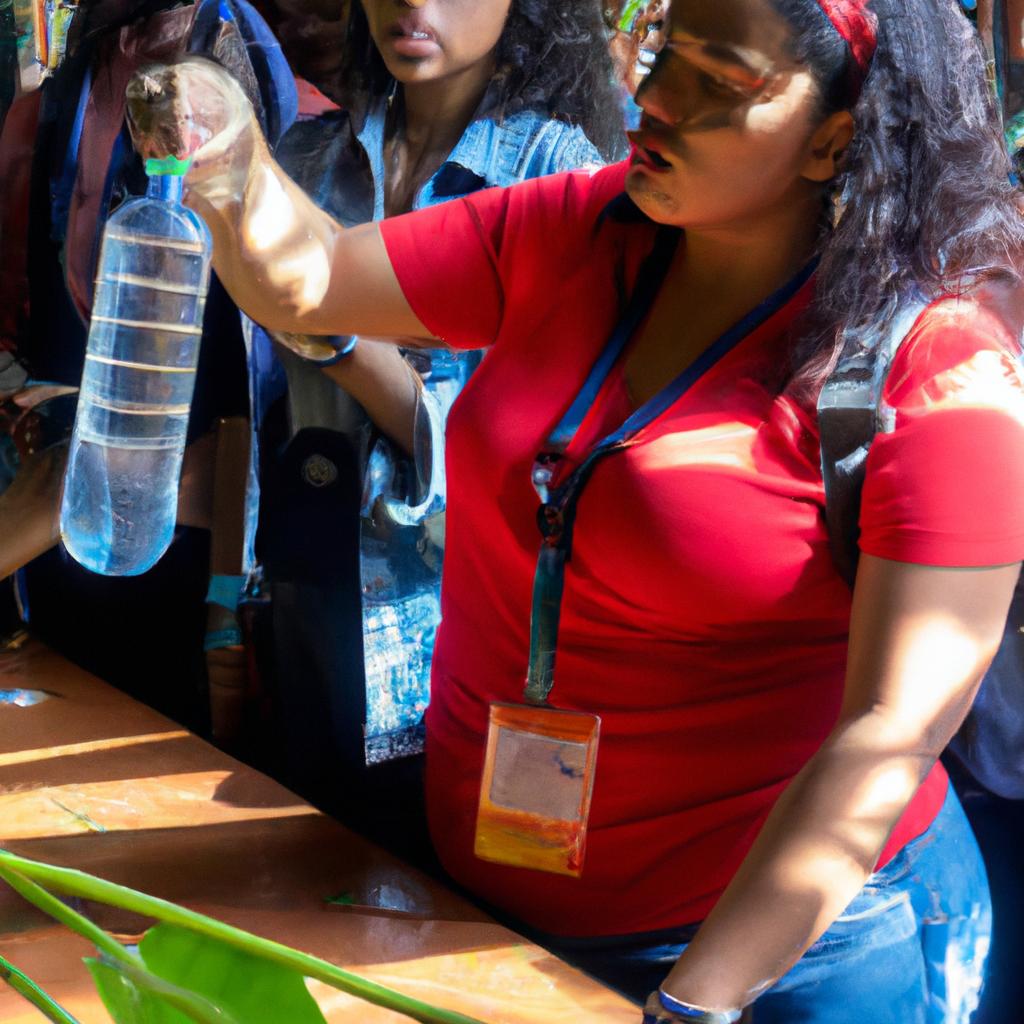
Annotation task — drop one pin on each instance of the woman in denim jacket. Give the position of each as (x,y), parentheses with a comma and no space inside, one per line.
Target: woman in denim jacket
(441,98)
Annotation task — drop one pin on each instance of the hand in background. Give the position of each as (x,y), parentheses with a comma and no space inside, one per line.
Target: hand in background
(30,509)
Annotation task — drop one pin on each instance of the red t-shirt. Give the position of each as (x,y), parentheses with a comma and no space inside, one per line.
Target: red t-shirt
(703,618)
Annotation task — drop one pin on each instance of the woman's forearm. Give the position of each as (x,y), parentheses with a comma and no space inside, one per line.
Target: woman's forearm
(285,262)
(378,377)
(920,641)
(273,248)
(271,245)
(817,847)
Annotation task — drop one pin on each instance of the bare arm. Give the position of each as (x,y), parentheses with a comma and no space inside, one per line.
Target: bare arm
(378,377)
(920,641)
(286,263)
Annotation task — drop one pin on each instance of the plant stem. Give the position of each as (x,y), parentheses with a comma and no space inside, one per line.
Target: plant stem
(193,1006)
(77,883)
(49,904)
(26,987)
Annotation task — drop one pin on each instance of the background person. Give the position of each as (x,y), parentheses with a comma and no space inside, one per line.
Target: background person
(441,98)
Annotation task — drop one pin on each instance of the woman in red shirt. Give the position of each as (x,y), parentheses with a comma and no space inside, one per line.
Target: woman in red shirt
(767,758)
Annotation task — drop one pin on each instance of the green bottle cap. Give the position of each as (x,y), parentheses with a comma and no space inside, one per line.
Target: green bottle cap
(167,165)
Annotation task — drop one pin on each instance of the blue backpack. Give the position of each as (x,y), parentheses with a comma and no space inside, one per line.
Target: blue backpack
(990,743)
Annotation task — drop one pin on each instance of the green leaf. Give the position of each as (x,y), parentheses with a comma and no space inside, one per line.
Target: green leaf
(250,989)
(127,1002)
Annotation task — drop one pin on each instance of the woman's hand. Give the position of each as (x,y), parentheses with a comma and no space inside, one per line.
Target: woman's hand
(655,1013)
(270,250)
(196,110)
(287,264)
(306,346)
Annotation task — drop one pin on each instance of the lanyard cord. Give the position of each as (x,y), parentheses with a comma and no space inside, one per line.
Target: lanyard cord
(556,515)
(557,512)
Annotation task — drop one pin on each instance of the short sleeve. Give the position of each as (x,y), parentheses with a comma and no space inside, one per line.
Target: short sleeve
(458,262)
(946,486)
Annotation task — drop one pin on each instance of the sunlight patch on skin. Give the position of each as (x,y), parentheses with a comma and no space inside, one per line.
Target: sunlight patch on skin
(944,652)
(853,838)
(270,221)
(306,276)
(889,787)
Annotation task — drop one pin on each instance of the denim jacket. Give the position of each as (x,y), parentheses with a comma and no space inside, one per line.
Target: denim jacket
(339,160)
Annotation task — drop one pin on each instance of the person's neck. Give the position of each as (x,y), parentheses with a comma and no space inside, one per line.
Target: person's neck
(751,259)
(438,113)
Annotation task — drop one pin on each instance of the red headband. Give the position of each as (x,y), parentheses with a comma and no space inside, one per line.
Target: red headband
(858,26)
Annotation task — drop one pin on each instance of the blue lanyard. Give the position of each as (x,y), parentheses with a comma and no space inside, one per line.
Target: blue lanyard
(64,186)
(557,512)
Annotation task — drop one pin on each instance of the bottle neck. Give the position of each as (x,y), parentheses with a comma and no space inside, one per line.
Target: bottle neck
(165,187)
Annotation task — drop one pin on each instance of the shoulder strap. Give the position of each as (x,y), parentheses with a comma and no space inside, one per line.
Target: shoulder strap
(850,413)
(233,33)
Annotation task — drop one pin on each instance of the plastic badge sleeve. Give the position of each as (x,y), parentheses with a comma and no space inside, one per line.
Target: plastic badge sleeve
(537,785)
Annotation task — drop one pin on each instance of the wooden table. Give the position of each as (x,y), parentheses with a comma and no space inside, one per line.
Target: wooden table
(91,779)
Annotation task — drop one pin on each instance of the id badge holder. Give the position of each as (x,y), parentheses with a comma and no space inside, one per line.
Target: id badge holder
(537,783)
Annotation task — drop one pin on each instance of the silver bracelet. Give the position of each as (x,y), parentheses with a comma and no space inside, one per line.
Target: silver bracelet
(695,1013)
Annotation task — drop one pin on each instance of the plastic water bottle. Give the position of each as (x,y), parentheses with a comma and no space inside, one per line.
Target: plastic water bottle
(121,486)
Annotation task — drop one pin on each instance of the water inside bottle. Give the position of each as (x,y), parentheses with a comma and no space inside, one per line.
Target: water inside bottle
(122,505)
(120,492)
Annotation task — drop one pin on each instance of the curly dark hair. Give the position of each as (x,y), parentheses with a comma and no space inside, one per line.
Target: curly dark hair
(552,57)
(925,192)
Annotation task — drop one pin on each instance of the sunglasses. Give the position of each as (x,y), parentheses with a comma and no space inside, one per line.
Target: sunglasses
(700,81)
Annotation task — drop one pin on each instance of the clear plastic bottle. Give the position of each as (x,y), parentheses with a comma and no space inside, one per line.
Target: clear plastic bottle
(121,487)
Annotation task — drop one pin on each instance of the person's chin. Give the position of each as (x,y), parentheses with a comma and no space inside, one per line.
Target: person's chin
(406,69)
(653,196)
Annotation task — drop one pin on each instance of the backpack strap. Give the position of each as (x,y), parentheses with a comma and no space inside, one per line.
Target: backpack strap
(234,34)
(850,413)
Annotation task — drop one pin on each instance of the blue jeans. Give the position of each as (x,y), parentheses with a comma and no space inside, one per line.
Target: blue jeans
(909,949)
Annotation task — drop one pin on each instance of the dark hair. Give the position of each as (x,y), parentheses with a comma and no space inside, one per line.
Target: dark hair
(925,192)
(552,57)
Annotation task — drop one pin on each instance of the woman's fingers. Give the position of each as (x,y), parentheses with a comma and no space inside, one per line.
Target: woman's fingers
(193,109)
(654,1012)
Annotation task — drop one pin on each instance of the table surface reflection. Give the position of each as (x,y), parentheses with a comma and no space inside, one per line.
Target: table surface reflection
(91,779)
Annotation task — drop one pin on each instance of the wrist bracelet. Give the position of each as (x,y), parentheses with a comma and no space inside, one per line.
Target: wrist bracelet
(225,591)
(217,639)
(695,1013)
(346,346)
